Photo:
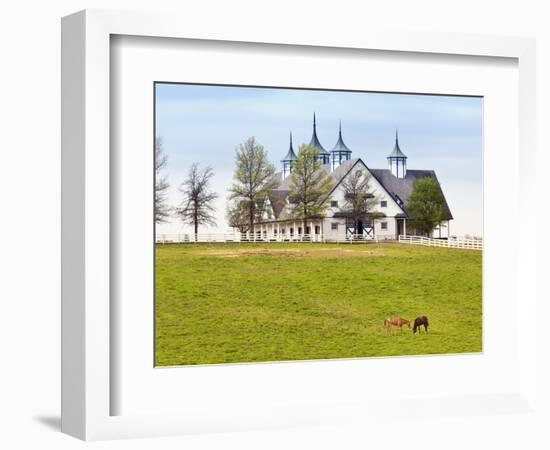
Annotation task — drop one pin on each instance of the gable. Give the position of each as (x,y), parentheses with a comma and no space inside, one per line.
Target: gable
(376,188)
(277,199)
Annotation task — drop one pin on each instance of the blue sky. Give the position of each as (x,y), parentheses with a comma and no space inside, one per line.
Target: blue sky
(205,124)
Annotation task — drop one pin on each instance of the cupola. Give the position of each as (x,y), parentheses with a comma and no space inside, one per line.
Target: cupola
(340,151)
(397,161)
(324,156)
(288,160)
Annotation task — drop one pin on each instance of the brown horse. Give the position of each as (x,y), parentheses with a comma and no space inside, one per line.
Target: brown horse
(418,322)
(394,321)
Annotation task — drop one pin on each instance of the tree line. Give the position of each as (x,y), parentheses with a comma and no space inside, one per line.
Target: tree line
(309,195)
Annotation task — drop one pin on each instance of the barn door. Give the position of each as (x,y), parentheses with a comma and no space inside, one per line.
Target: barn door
(368,231)
(361,230)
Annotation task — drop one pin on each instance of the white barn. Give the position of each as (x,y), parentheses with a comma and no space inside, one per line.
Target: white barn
(391,187)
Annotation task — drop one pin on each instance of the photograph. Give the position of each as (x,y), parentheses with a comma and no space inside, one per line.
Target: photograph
(295,224)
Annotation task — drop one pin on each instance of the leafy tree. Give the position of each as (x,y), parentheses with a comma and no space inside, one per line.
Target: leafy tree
(196,207)
(359,201)
(162,210)
(309,185)
(253,178)
(425,205)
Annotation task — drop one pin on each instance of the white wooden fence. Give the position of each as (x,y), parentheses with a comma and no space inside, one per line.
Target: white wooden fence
(257,237)
(201,237)
(472,244)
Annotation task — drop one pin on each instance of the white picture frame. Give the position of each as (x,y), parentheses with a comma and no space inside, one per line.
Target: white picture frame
(86,217)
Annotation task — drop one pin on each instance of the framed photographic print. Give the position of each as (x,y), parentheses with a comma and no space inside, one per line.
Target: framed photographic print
(259,227)
(256,259)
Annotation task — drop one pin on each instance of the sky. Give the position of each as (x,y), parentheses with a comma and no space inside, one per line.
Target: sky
(205,124)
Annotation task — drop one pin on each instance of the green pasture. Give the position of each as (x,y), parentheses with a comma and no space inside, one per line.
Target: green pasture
(229,303)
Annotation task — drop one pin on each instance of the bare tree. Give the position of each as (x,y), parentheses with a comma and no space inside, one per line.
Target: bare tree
(237,215)
(162,210)
(196,207)
(359,201)
(253,178)
(310,185)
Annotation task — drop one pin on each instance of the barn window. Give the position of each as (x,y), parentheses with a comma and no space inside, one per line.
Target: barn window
(384,225)
(384,203)
(334,226)
(334,203)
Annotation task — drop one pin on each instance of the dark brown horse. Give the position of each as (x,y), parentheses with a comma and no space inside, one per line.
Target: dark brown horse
(418,322)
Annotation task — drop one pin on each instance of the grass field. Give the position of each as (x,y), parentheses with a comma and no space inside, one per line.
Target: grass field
(227,303)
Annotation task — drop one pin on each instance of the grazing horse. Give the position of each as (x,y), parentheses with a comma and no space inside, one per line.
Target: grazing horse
(394,321)
(418,322)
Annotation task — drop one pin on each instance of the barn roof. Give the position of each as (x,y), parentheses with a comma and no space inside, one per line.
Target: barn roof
(401,188)
(398,188)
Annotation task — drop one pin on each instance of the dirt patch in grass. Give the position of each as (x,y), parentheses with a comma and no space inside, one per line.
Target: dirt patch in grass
(301,252)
